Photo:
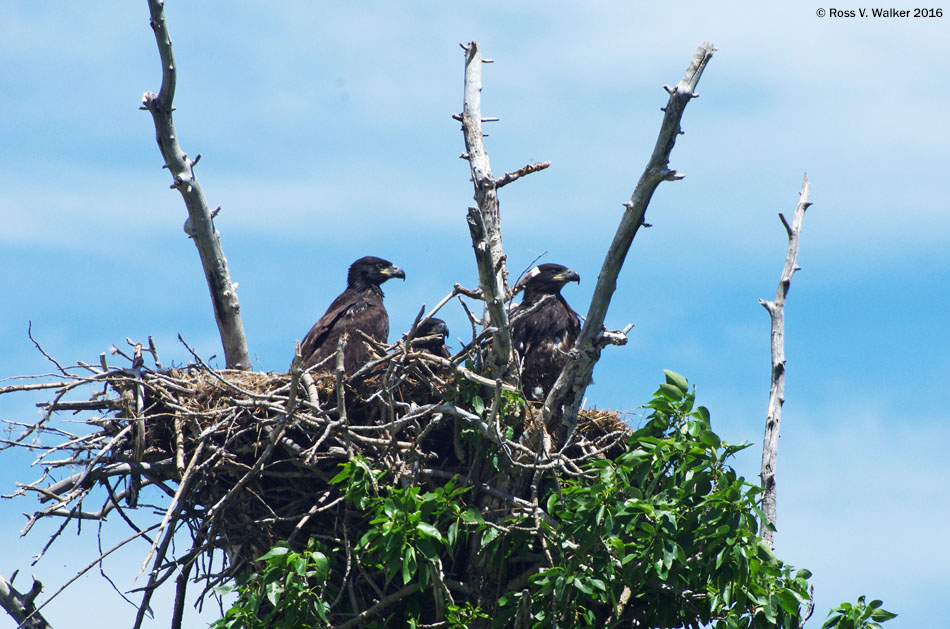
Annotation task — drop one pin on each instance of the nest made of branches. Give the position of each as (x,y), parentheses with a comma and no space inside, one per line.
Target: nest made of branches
(246,458)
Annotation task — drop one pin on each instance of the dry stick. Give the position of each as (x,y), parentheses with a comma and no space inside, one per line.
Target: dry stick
(29,332)
(460,370)
(776,310)
(507,178)
(200,225)
(514,317)
(93,564)
(340,394)
(568,391)
(181,588)
(381,606)
(173,507)
(170,513)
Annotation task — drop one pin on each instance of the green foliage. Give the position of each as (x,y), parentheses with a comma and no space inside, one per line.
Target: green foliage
(671,522)
(287,593)
(662,534)
(858,616)
(405,535)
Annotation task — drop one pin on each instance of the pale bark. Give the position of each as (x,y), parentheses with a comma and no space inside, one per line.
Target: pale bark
(20,606)
(776,310)
(484,221)
(566,395)
(200,223)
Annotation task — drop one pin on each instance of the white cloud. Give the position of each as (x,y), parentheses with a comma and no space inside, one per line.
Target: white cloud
(325,132)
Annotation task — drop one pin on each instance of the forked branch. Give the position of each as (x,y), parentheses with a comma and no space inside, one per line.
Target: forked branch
(566,395)
(200,223)
(776,310)
(21,606)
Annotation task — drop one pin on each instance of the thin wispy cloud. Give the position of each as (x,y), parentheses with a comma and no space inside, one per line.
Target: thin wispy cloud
(326,134)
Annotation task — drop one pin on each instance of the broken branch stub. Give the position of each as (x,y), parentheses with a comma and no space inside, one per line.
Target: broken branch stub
(566,395)
(200,224)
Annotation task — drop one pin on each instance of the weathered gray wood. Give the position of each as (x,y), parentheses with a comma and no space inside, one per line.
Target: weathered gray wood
(776,310)
(200,223)
(484,221)
(20,606)
(566,395)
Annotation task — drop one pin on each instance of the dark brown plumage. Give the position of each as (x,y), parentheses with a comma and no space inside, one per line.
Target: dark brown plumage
(432,327)
(544,337)
(359,307)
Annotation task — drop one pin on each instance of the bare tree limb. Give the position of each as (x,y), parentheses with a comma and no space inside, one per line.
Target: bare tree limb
(776,310)
(484,222)
(507,178)
(382,605)
(200,224)
(20,606)
(566,395)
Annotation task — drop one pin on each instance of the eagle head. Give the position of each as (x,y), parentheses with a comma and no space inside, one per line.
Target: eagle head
(547,279)
(372,271)
(432,326)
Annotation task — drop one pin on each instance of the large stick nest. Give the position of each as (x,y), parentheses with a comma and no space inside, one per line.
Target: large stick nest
(246,458)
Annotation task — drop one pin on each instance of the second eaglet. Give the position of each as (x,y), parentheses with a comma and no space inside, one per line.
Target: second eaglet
(544,337)
(359,307)
(431,336)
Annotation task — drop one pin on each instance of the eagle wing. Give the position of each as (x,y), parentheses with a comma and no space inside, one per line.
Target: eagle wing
(543,339)
(350,311)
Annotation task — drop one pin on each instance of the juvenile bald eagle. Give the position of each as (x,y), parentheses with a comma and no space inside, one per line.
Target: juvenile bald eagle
(432,327)
(359,307)
(544,337)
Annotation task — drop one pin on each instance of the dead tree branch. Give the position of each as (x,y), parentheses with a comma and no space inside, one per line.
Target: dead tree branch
(20,606)
(776,310)
(200,223)
(507,178)
(566,395)
(484,221)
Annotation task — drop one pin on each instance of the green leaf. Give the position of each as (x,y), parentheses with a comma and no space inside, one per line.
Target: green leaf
(478,405)
(702,413)
(276,551)
(488,536)
(597,583)
(472,515)
(342,475)
(428,549)
(408,566)
(583,586)
(671,392)
(273,590)
(428,530)
(321,566)
(882,615)
(452,533)
(676,380)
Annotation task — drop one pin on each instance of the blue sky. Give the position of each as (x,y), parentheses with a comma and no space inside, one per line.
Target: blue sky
(326,134)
